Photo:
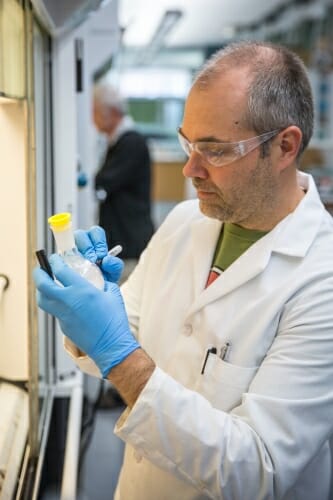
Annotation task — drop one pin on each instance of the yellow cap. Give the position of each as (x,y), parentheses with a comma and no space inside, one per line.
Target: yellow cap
(60,222)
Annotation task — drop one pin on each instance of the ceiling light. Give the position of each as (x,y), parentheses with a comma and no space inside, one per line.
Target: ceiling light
(169,20)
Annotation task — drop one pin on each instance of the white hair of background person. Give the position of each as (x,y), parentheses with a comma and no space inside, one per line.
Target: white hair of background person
(107,96)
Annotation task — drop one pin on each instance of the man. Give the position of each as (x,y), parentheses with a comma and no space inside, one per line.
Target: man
(227,372)
(123,181)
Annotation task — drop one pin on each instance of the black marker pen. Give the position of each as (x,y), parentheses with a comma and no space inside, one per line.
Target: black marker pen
(212,350)
(43,262)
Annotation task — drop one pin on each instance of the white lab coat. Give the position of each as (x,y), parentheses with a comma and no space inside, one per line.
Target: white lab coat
(255,426)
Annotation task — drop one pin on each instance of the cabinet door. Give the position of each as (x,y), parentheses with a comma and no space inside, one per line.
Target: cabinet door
(12,58)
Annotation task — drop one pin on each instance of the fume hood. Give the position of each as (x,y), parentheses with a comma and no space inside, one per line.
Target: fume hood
(61,16)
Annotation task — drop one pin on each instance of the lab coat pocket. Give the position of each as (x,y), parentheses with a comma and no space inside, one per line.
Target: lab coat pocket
(223,384)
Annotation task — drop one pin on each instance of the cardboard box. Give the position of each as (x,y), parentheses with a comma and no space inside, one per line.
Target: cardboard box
(168,181)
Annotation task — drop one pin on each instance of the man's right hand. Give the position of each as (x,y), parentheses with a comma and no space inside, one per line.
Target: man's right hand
(94,320)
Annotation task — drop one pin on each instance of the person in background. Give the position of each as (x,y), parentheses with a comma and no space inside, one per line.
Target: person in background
(221,340)
(123,188)
(123,181)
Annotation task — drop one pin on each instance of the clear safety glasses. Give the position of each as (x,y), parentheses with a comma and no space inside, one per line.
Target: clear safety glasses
(218,154)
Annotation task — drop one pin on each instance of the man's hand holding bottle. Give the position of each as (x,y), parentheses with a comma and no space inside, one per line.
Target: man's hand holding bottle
(95,320)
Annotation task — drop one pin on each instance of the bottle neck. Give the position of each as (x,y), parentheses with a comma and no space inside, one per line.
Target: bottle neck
(64,240)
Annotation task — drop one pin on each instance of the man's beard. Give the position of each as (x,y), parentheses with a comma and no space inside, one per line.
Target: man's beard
(216,208)
(244,201)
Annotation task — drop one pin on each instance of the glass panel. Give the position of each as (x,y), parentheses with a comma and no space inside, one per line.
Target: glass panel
(44,198)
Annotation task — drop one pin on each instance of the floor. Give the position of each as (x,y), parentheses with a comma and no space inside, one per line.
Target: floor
(102,460)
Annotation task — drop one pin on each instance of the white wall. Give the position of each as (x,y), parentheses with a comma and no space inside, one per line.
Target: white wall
(13,248)
(101,37)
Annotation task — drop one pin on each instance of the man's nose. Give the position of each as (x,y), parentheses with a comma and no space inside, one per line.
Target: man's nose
(194,167)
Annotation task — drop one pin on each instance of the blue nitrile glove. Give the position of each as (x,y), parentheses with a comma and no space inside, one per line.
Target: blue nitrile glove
(93,246)
(95,320)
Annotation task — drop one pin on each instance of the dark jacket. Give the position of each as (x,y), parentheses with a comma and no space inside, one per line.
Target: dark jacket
(125,214)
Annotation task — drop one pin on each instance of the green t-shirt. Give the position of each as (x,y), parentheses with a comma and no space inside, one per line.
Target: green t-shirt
(233,241)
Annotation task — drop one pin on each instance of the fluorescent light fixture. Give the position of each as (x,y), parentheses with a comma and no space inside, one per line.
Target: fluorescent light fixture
(228,32)
(154,82)
(169,20)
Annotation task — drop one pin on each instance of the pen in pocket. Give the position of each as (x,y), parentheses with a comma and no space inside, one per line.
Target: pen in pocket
(225,350)
(212,350)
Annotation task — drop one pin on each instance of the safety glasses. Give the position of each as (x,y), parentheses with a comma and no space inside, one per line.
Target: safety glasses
(218,154)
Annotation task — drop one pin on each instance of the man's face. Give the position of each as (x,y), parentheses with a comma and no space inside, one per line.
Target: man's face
(104,119)
(240,192)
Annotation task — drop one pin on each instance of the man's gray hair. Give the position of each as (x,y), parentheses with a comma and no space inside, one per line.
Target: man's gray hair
(108,97)
(279,93)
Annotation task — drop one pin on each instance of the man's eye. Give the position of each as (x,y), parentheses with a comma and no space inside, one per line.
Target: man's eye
(215,153)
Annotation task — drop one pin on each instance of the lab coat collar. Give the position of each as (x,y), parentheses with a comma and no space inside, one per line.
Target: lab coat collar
(292,236)
(297,231)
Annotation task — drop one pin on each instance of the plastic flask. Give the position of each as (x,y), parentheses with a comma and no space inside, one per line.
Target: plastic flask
(61,226)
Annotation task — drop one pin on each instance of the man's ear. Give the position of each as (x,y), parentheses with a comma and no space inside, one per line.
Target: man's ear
(290,140)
